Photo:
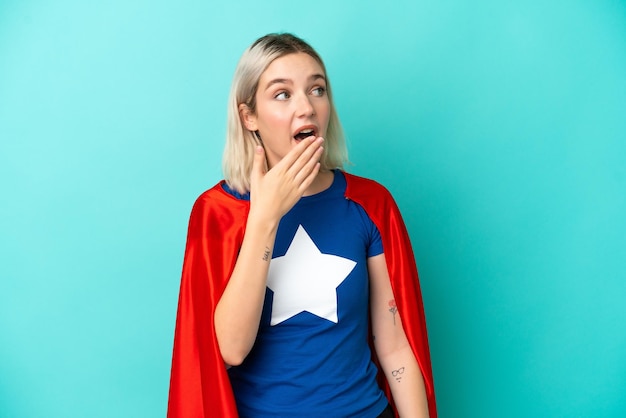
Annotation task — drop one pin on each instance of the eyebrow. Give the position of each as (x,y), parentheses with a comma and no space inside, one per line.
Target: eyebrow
(313,77)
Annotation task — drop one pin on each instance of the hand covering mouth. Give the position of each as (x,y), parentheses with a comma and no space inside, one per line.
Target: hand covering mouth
(304,133)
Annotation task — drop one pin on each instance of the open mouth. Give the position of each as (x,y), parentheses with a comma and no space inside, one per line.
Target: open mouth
(304,133)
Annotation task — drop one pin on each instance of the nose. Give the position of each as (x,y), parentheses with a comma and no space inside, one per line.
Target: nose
(304,106)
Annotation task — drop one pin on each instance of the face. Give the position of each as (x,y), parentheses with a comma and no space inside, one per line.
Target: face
(291,104)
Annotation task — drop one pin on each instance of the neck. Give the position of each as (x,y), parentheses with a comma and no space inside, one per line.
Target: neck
(323,181)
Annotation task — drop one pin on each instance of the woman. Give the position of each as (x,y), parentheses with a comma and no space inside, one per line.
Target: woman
(299,294)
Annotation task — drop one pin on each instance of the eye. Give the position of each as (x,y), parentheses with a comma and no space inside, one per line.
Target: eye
(282,95)
(318,91)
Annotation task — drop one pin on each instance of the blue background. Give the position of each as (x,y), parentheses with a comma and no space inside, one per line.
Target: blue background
(499,127)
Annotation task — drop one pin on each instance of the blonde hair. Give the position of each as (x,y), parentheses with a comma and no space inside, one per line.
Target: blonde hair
(240,142)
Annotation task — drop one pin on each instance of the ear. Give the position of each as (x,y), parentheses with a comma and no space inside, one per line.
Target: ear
(247,117)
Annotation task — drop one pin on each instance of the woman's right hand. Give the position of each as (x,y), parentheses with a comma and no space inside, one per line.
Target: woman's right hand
(275,191)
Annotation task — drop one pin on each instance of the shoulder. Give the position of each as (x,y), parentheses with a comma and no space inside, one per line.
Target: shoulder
(217,194)
(375,199)
(217,211)
(217,199)
(363,188)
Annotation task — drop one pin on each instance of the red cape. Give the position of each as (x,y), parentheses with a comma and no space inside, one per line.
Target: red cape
(199,385)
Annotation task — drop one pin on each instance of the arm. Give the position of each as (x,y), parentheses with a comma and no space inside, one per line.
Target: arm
(392,348)
(273,193)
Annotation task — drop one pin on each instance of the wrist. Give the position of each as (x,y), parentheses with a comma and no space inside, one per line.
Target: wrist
(261,223)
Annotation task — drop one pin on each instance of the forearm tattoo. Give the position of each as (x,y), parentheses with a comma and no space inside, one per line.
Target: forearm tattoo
(393,309)
(397,374)
(266,254)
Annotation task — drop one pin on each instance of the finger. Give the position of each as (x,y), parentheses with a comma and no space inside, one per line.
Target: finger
(311,152)
(293,155)
(309,165)
(308,180)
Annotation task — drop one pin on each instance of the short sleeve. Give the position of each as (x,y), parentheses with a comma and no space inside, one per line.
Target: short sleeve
(376,243)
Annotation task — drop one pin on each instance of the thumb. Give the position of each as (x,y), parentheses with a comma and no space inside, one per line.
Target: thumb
(258,163)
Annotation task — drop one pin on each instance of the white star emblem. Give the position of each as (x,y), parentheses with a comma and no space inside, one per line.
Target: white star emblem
(305,279)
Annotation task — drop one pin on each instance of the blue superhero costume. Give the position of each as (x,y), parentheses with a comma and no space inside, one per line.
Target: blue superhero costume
(311,357)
